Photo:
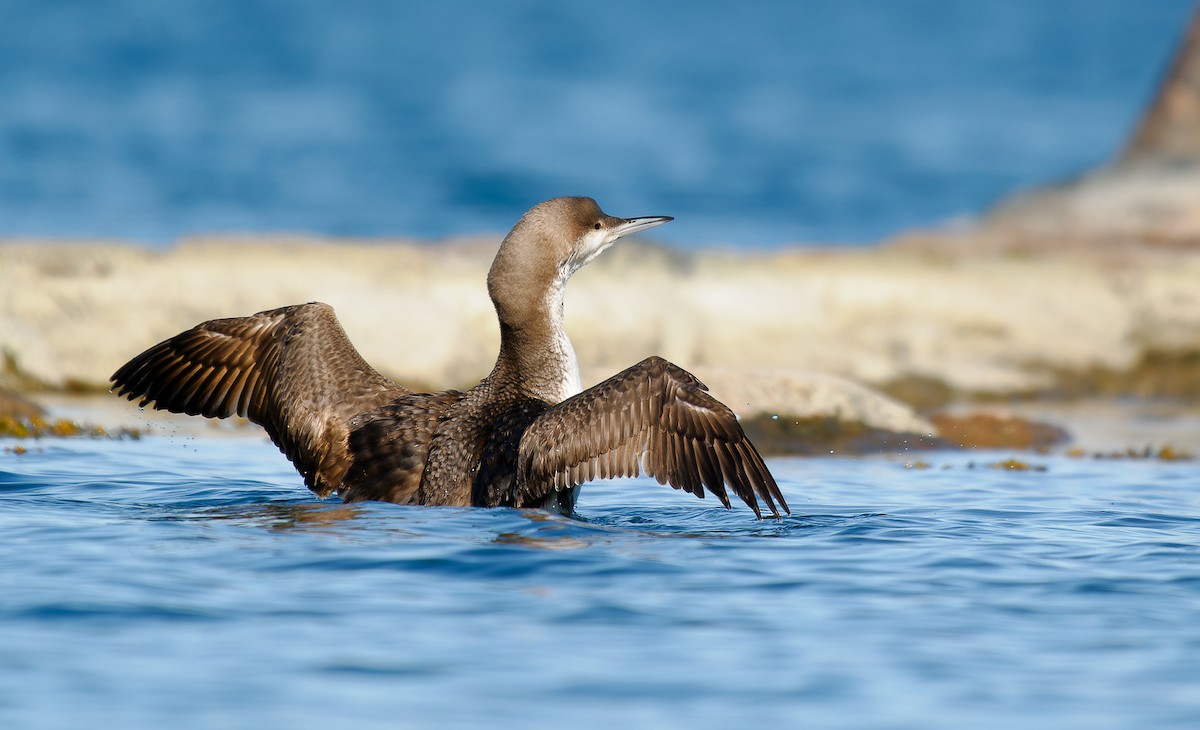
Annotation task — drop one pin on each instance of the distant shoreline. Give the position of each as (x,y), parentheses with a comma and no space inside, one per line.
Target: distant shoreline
(928,321)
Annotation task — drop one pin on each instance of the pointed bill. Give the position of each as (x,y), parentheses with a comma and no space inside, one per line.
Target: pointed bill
(629,226)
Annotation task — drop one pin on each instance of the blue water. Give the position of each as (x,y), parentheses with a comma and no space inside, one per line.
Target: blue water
(752,123)
(189,583)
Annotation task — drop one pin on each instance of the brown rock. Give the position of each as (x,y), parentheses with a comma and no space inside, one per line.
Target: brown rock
(15,407)
(992,431)
(1169,132)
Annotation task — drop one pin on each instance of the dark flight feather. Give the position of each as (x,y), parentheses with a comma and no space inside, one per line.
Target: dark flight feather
(654,417)
(292,370)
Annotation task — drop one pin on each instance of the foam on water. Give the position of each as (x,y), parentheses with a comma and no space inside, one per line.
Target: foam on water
(193,582)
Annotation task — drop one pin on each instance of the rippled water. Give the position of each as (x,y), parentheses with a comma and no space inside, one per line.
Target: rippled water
(174,582)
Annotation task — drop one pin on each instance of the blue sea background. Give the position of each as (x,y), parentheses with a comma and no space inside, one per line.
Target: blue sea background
(754,124)
(187,579)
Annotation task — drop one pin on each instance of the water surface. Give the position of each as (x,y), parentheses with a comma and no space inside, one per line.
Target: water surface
(192,582)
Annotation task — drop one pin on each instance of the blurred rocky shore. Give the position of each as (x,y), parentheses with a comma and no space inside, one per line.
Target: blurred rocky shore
(1087,291)
(882,336)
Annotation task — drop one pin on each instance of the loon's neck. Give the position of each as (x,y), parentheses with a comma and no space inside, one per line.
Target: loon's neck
(536,356)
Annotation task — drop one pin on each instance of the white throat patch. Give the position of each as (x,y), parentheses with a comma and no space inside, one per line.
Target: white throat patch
(569,382)
(591,244)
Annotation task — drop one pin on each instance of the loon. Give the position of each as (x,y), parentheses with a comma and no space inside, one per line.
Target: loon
(527,436)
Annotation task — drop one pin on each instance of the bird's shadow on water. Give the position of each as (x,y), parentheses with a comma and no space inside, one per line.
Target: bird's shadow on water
(514,527)
(612,512)
(158,489)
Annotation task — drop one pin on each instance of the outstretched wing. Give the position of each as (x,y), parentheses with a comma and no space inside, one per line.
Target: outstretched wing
(292,370)
(656,417)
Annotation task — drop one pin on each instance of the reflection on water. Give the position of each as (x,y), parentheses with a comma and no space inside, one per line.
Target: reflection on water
(544,531)
(302,516)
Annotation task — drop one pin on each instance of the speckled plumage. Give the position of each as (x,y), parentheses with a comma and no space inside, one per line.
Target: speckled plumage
(292,370)
(524,437)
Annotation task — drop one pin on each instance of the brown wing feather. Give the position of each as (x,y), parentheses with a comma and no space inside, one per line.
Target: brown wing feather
(655,417)
(292,370)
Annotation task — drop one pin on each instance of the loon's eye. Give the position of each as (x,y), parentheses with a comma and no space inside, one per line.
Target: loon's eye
(597,226)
